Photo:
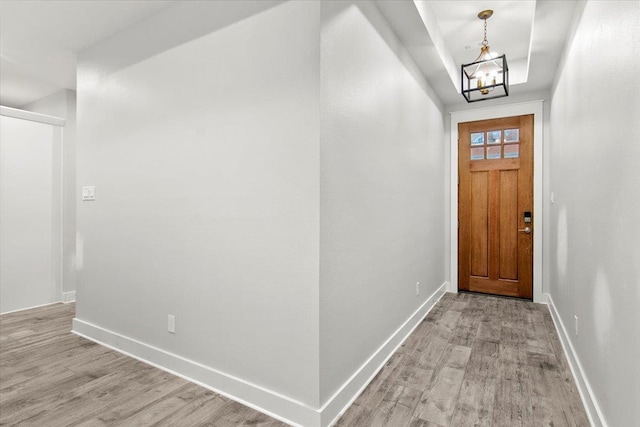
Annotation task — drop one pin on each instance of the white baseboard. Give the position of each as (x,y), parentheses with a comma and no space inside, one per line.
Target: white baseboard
(254,396)
(30,307)
(594,413)
(450,288)
(354,386)
(65,297)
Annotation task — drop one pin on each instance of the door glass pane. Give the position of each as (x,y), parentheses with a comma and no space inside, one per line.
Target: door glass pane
(494,137)
(511,135)
(477,153)
(493,152)
(511,151)
(477,138)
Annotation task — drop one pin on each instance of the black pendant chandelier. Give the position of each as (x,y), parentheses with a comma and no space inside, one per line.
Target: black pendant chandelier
(487,77)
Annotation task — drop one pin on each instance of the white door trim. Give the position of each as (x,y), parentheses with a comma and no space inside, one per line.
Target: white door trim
(532,107)
(31,116)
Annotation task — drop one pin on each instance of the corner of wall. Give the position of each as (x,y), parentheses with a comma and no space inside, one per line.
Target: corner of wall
(338,404)
(571,33)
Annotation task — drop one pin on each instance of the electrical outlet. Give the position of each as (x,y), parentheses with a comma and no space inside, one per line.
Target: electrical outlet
(576,322)
(171,325)
(88,193)
(417,288)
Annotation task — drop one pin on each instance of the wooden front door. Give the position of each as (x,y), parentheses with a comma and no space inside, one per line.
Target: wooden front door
(495,206)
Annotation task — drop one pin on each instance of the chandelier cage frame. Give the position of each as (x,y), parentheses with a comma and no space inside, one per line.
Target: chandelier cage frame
(469,81)
(487,77)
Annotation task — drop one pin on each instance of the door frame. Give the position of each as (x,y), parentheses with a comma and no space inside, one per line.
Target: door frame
(518,109)
(57,240)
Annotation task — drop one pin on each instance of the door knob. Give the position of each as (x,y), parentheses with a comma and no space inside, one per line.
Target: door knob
(526,230)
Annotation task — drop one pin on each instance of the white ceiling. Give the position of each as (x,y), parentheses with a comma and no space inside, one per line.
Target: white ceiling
(463,31)
(39,40)
(509,31)
(436,33)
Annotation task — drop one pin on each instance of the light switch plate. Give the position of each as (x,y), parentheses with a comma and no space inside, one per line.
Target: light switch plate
(171,324)
(88,193)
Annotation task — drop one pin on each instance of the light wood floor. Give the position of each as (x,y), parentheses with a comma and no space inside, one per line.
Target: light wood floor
(474,361)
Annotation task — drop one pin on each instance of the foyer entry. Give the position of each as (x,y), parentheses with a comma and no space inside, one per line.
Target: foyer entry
(495,206)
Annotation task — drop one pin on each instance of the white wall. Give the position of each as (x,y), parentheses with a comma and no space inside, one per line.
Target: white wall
(205,161)
(30,213)
(594,159)
(381,189)
(63,104)
(276,184)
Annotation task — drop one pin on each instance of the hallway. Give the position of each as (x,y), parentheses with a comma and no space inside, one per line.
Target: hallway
(266,197)
(474,360)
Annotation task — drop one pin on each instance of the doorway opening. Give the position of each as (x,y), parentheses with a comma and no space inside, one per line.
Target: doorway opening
(541,245)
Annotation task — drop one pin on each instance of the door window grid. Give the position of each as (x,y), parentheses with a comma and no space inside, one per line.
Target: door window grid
(495,144)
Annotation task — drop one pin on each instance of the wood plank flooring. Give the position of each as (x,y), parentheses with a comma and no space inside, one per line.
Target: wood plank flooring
(50,377)
(474,361)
